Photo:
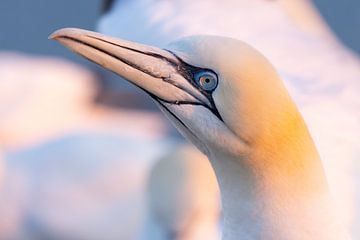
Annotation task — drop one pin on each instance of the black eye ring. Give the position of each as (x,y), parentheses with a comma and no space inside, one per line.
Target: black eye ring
(207,80)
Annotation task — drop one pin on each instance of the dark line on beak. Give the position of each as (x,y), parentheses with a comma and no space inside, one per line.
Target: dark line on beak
(179,120)
(165,79)
(212,108)
(156,55)
(176,117)
(180,66)
(115,56)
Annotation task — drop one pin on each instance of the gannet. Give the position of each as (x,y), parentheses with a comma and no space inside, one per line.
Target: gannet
(321,74)
(182,200)
(228,100)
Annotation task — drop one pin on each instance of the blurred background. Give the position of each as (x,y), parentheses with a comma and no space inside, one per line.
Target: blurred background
(35,20)
(74,155)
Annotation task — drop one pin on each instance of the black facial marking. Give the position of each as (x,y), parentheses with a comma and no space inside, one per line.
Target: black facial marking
(186,70)
(155,55)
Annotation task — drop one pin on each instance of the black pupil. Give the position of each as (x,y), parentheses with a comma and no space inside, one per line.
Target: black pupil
(206,81)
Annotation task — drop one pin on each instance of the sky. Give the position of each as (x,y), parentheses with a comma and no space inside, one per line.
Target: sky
(26,24)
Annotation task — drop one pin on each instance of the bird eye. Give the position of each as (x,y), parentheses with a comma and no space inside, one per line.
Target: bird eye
(207,80)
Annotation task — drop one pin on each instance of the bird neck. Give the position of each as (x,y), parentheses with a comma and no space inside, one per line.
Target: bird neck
(277,190)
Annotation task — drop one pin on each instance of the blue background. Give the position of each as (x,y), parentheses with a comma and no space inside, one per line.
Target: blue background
(25,24)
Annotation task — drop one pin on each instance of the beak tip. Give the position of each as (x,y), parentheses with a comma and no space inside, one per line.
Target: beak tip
(57,34)
(52,36)
(62,33)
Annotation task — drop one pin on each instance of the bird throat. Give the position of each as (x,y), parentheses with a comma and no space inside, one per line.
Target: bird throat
(278,193)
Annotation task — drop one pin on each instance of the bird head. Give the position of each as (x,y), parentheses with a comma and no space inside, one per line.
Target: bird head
(219,92)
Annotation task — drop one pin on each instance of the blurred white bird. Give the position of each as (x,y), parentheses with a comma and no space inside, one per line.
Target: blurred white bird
(183,202)
(320,73)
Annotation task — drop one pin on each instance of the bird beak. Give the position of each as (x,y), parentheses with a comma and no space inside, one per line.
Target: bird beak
(158,72)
